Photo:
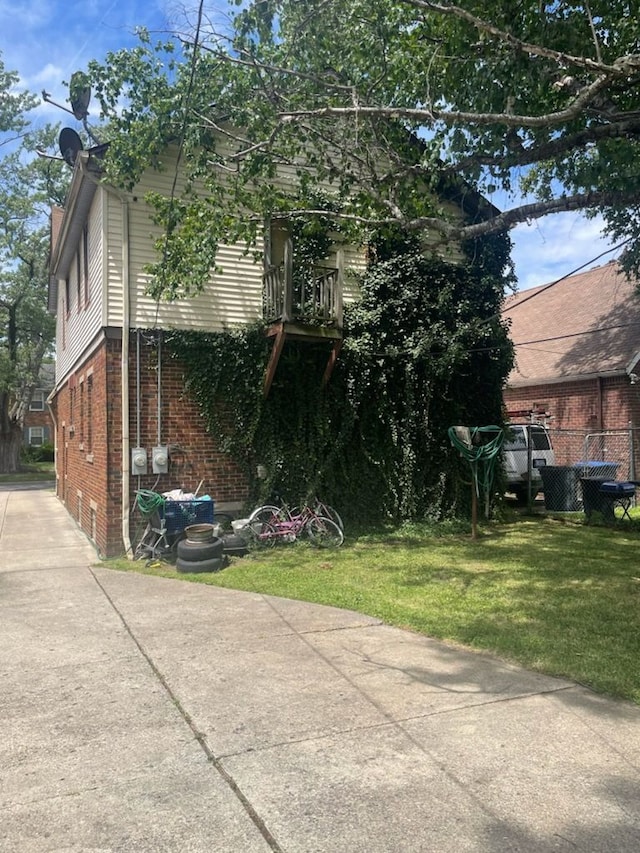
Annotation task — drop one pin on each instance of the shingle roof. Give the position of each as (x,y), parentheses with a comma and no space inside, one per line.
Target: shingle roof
(584,325)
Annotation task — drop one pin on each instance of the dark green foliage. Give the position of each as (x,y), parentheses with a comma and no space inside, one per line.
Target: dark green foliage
(425,349)
(43,453)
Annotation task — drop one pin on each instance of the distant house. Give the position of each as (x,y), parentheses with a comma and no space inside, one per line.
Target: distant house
(577,347)
(38,424)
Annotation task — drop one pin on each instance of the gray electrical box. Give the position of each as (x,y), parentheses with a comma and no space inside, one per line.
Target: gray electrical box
(160,460)
(138,460)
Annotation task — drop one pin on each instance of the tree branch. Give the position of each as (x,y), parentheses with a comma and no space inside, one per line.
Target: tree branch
(550,149)
(430,116)
(621,67)
(452,230)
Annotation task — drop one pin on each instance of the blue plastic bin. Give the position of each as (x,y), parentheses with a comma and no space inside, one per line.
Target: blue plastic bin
(591,469)
(180,514)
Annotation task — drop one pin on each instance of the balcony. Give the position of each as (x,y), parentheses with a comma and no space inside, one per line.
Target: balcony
(316,301)
(303,308)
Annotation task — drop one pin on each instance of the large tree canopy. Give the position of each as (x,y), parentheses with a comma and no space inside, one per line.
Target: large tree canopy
(28,185)
(391,101)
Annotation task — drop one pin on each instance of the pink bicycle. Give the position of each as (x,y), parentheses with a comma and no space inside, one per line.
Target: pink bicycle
(270,524)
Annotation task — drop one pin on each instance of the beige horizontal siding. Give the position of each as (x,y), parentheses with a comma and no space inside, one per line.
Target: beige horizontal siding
(113,271)
(233,295)
(81,322)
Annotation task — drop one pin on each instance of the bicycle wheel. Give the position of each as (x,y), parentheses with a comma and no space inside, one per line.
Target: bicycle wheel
(324,533)
(270,514)
(331,513)
(262,534)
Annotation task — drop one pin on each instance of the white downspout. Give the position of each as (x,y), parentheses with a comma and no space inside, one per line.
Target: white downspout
(124,376)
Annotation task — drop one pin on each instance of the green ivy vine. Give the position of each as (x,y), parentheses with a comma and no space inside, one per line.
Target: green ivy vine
(425,348)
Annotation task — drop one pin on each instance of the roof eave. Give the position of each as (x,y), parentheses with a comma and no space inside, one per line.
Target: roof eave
(571,377)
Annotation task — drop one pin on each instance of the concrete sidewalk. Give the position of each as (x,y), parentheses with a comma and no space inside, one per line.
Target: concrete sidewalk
(147,714)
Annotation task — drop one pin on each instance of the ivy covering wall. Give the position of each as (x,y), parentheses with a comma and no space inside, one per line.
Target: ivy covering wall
(425,348)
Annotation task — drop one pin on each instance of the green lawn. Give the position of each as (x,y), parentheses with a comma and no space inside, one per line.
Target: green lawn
(558,597)
(31,472)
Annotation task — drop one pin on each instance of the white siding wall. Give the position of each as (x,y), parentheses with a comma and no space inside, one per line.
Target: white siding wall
(78,324)
(233,296)
(113,259)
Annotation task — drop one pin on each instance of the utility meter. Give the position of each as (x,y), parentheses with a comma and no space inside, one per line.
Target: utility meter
(138,460)
(160,460)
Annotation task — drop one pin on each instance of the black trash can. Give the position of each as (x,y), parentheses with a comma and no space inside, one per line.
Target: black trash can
(560,483)
(594,500)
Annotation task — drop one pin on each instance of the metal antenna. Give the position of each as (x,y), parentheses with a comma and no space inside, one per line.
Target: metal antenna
(46,96)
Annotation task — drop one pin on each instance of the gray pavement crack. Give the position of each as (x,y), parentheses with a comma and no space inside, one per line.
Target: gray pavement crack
(229,780)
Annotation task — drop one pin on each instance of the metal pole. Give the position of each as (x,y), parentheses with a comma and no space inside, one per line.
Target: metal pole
(529,466)
(474,505)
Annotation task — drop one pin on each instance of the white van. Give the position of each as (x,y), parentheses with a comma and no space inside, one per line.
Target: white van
(516,458)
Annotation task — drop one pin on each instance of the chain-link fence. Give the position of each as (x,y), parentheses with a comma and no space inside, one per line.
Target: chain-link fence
(580,456)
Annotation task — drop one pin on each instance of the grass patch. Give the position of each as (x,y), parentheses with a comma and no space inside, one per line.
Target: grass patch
(557,597)
(31,472)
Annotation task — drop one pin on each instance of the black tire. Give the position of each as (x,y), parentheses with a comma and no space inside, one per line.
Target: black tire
(324,533)
(522,495)
(195,551)
(234,545)
(197,566)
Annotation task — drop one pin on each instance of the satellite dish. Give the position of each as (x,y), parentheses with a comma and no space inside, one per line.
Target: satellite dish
(70,144)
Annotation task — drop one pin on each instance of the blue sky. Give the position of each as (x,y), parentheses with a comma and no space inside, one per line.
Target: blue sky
(45,41)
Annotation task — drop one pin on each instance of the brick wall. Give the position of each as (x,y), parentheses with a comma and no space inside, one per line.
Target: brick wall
(80,409)
(89,440)
(39,419)
(587,408)
(591,404)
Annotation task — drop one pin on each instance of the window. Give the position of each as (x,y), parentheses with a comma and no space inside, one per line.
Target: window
(85,263)
(37,403)
(540,438)
(82,410)
(36,436)
(516,439)
(78,282)
(89,429)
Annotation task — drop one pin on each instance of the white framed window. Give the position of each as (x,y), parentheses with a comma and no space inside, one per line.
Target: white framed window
(36,436)
(38,401)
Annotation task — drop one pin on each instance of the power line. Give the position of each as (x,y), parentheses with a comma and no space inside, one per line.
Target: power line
(542,289)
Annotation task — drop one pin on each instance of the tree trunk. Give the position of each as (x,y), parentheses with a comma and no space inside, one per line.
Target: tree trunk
(10,437)
(10,444)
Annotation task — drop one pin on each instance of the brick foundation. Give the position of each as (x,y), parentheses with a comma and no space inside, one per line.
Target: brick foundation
(89,439)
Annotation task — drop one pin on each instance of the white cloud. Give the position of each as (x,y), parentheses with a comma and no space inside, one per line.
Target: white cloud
(557,245)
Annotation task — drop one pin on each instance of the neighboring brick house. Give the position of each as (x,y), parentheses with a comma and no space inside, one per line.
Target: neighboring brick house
(38,423)
(577,346)
(116,392)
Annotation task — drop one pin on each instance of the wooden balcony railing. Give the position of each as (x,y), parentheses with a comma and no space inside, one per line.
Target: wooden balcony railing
(315,299)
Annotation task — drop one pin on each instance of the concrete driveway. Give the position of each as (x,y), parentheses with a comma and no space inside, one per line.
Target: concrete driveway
(151,714)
